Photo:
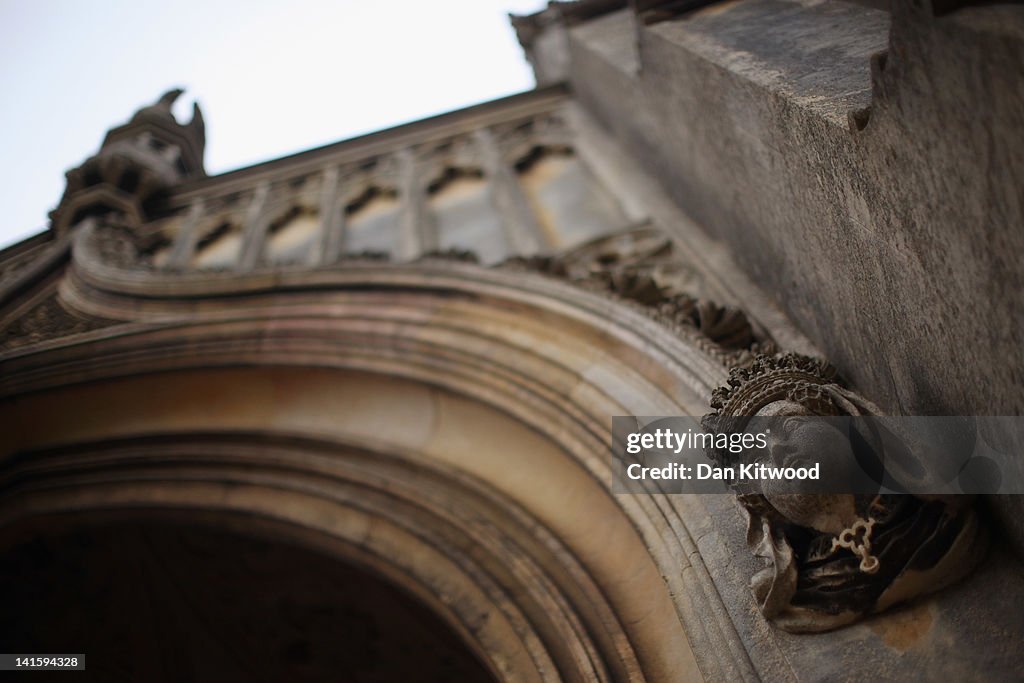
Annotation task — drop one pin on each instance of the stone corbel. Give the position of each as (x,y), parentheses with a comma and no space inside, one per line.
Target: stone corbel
(832,559)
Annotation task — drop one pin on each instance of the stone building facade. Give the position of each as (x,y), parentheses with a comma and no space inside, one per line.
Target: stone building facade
(345,415)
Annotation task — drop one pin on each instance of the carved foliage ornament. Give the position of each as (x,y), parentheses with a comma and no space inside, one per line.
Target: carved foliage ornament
(834,558)
(641,267)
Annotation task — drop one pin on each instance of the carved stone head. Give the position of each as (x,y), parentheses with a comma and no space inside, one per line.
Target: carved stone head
(833,558)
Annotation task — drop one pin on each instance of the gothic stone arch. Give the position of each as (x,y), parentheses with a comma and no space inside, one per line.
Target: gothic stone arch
(385,414)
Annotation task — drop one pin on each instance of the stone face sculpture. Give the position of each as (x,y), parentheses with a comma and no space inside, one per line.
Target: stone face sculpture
(833,558)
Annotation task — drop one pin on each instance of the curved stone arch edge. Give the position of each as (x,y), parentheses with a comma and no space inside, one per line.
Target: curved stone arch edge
(677,549)
(386,489)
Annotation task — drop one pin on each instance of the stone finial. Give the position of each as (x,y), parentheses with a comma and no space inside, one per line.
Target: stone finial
(136,162)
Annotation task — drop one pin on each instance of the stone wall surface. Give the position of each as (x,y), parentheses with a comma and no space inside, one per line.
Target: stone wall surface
(864,169)
(897,242)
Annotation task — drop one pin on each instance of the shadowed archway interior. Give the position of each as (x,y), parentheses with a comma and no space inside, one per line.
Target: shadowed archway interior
(168,600)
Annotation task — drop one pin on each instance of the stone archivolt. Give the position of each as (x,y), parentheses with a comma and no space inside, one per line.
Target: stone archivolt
(640,269)
(422,341)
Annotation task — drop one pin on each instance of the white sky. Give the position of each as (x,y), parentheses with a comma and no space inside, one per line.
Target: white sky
(272,77)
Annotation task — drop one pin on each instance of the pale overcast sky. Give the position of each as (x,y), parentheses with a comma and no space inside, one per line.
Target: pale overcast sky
(272,77)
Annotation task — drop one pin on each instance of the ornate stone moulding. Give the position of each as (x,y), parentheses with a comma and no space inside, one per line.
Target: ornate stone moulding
(638,268)
(832,559)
